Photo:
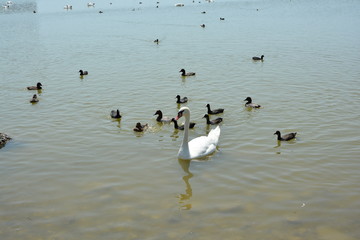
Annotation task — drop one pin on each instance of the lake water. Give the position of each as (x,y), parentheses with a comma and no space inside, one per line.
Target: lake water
(71,172)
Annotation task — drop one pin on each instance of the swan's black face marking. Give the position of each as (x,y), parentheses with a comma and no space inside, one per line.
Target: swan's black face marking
(180,114)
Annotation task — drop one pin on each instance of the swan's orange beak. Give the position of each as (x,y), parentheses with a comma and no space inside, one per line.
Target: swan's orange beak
(179,115)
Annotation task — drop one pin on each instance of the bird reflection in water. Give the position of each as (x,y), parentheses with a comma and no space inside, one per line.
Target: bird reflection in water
(185,197)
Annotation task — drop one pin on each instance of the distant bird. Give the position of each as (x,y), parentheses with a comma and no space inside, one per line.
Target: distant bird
(156,41)
(183,73)
(202,25)
(176,126)
(115,114)
(285,137)
(91,4)
(82,73)
(34,99)
(181,100)
(215,111)
(222,18)
(212,122)
(258,58)
(67,6)
(140,127)
(203,12)
(161,118)
(34,11)
(250,104)
(101,12)
(37,87)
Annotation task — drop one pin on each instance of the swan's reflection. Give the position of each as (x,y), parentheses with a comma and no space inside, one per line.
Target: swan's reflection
(184,197)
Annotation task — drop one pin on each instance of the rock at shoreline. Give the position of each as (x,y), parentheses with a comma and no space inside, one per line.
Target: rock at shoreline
(4,139)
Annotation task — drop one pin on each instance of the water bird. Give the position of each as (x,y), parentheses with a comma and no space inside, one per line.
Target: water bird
(179,5)
(184,73)
(250,104)
(115,114)
(91,4)
(34,99)
(258,58)
(212,122)
(82,73)
(4,138)
(140,127)
(202,25)
(285,137)
(214,111)
(101,12)
(197,147)
(67,6)
(156,41)
(203,12)
(182,127)
(37,87)
(222,18)
(161,118)
(181,100)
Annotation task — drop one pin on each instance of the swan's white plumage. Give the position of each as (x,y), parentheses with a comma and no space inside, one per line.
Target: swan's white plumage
(200,146)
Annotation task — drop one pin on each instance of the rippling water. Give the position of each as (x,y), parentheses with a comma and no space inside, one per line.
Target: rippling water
(71,172)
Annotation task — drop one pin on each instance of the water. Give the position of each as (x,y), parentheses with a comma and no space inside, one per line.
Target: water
(71,172)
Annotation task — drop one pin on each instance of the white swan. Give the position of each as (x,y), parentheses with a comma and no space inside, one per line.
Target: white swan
(197,147)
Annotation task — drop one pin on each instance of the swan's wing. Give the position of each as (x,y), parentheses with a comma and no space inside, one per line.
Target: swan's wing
(214,135)
(204,145)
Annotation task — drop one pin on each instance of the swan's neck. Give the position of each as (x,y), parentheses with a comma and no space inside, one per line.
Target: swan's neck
(185,143)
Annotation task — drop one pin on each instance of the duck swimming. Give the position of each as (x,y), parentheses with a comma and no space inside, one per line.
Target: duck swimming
(184,73)
(34,99)
(182,127)
(181,100)
(212,122)
(250,104)
(115,114)
(82,73)
(258,58)
(140,127)
(37,87)
(215,111)
(285,137)
(161,118)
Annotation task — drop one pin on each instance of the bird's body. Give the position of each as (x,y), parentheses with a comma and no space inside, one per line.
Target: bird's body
(91,4)
(250,104)
(140,127)
(197,147)
(212,122)
(34,99)
(258,58)
(82,73)
(115,114)
(185,74)
(214,111)
(181,100)
(182,127)
(285,137)
(37,87)
(161,118)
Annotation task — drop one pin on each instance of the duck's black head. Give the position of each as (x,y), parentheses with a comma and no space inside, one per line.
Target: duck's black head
(138,125)
(248,99)
(262,57)
(277,133)
(158,112)
(182,70)
(177,96)
(34,96)
(206,116)
(39,85)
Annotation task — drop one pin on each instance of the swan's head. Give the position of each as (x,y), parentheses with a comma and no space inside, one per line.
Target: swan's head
(248,99)
(184,111)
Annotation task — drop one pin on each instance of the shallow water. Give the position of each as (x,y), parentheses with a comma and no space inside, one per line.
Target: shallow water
(71,172)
